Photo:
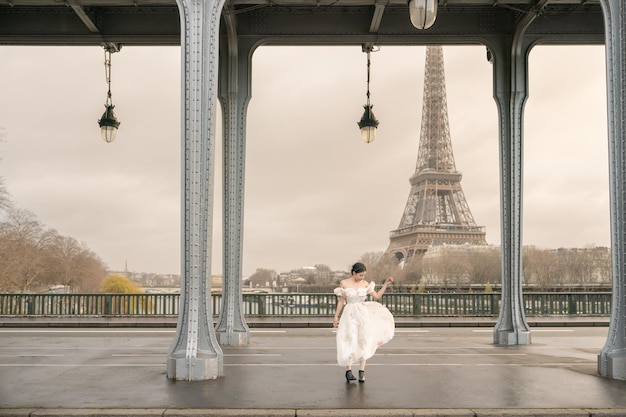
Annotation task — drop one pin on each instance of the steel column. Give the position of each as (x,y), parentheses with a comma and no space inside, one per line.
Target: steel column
(511,327)
(234,94)
(510,57)
(195,354)
(612,359)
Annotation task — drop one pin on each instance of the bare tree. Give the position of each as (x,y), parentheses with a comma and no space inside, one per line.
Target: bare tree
(72,264)
(538,266)
(370,259)
(452,269)
(603,267)
(25,245)
(380,267)
(35,257)
(93,269)
(5,199)
(430,271)
(484,266)
(262,277)
(411,272)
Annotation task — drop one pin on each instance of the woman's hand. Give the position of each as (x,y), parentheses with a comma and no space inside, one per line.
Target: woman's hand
(389,281)
(335,322)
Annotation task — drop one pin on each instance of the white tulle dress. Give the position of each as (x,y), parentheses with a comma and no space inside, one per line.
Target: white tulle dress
(363,326)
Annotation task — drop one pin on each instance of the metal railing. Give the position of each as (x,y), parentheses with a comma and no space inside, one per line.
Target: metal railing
(291,304)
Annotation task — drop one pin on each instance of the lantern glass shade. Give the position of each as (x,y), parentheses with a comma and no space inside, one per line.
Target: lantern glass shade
(108,133)
(368,125)
(368,134)
(423,13)
(108,125)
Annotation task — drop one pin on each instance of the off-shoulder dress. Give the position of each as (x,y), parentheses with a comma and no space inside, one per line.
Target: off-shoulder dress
(363,326)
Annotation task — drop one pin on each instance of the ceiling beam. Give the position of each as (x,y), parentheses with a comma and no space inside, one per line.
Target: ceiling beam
(80,11)
(380,24)
(379,10)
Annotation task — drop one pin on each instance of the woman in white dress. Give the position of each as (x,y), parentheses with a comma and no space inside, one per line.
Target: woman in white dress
(364,325)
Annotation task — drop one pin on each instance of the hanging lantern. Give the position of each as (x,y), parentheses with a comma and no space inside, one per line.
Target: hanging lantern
(368,123)
(422,13)
(108,122)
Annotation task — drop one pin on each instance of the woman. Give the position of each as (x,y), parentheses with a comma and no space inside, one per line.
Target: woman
(364,326)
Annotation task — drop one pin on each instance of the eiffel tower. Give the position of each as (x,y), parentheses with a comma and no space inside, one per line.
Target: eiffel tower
(436,211)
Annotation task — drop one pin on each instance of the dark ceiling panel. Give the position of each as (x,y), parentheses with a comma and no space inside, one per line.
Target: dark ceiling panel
(158,23)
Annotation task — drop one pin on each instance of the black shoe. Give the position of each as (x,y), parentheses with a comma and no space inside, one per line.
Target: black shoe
(350,376)
(361,376)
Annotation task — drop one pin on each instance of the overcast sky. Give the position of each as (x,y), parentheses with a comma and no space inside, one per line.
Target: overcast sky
(315,194)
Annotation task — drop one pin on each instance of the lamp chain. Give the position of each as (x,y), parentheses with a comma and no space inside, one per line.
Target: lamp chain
(368,77)
(107,73)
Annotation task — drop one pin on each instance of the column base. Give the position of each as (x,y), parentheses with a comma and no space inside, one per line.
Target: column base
(236,338)
(193,369)
(612,365)
(511,337)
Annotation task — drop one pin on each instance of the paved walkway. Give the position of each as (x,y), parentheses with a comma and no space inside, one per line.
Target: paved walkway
(292,322)
(292,372)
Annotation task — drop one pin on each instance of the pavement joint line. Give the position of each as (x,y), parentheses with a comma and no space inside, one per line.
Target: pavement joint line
(305,365)
(302,412)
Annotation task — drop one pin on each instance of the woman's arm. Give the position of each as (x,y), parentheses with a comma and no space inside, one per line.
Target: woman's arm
(377,295)
(340,302)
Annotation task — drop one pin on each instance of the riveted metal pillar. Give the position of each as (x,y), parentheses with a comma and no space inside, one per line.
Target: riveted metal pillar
(195,354)
(511,327)
(510,58)
(612,359)
(234,93)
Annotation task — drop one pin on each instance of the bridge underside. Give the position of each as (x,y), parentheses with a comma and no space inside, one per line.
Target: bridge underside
(218,38)
(157,22)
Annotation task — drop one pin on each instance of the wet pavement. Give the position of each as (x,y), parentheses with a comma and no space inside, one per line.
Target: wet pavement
(422,371)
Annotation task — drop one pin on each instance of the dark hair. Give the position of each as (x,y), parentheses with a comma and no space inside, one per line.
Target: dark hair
(358,267)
